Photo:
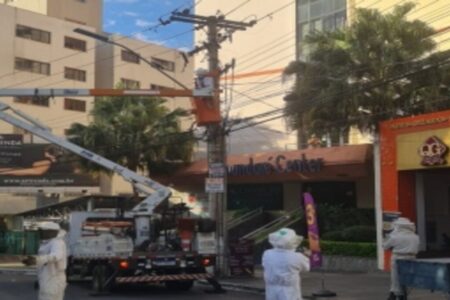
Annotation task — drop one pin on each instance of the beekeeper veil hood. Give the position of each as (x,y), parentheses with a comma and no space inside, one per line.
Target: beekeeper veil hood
(285,238)
(404,224)
(49,226)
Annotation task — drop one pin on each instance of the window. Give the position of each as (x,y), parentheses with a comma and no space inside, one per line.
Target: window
(74,104)
(23,64)
(33,34)
(74,44)
(40,101)
(130,84)
(74,74)
(130,57)
(164,64)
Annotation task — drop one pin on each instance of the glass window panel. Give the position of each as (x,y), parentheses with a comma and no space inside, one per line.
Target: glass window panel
(327,7)
(316,25)
(304,30)
(316,9)
(339,4)
(303,13)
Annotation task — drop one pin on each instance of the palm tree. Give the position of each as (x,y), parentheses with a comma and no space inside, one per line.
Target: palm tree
(137,132)
(383,63)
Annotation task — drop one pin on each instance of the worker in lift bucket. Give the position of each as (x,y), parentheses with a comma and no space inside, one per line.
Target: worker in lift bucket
(404,243)
(51,262)
(282,266)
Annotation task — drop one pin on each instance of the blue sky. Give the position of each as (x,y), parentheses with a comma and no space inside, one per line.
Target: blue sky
(134,17)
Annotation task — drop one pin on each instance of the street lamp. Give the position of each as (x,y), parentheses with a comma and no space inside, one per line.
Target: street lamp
(106,39)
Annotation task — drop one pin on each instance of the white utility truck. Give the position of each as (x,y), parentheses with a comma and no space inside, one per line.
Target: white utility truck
(136,246)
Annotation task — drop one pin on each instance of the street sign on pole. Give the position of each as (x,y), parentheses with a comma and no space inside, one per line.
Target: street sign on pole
(216,170)
(214,185)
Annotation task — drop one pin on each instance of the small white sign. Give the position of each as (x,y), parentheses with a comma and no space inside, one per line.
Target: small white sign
(214,185)
(206,243)
(216,170)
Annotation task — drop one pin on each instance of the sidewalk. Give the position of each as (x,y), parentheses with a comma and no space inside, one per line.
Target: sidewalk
(13,264)
(347,286)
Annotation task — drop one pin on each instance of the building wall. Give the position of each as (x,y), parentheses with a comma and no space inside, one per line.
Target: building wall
(84,12)
(54,53)
(267,46)
(39,6)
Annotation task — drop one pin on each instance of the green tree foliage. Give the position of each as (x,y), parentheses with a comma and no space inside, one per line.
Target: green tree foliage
(137,132)
(384,63)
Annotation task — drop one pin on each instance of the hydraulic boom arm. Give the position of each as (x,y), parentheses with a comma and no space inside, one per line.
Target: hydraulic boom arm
(154,191)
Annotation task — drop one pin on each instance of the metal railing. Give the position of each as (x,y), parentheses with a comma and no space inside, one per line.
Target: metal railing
(260,234)
(245,217)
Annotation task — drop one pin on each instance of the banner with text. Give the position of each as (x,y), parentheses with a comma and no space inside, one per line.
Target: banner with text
(39,165)
(313,231)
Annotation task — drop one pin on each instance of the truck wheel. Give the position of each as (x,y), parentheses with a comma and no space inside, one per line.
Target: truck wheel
(99,279)
(179,285)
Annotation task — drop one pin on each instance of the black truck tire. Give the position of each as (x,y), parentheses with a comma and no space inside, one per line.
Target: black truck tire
(99,278)
(180,286)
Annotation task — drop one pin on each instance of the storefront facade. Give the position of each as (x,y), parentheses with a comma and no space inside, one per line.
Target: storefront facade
(415,177)
(275,180)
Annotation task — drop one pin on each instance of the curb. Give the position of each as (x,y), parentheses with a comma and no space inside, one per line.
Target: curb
(13,271)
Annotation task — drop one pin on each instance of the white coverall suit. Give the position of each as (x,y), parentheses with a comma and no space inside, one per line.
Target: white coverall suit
(282,266)
(404,243)
(51,265)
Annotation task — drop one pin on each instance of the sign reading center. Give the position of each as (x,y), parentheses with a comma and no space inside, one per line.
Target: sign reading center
(279,164)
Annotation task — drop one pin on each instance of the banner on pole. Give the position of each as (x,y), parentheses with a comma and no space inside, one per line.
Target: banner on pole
(313,231)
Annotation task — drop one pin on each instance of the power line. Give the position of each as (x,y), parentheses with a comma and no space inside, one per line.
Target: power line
(322,100)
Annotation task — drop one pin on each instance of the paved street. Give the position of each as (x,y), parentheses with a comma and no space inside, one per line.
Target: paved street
(14,287)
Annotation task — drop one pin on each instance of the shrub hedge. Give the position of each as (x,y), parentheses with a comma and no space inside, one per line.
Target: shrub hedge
(352,234)
(348,248)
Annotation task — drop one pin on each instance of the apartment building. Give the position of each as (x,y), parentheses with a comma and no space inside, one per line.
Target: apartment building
(80,12)
(41,50)
(261,53)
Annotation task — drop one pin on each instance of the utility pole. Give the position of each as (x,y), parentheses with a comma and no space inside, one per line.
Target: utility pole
(216,147)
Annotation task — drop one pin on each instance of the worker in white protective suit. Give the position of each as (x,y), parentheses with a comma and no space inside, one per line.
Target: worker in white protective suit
(404,243)
(282,266)
(51,262)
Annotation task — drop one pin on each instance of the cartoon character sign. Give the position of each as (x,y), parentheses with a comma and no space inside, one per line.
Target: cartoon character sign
(433,152)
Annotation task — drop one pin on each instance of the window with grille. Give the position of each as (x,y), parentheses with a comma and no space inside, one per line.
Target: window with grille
(130,57)
(33,66)
(130,84)
(33,34)
(74,74)
(40,101)
(74,104)
(164,64)
(74,44)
